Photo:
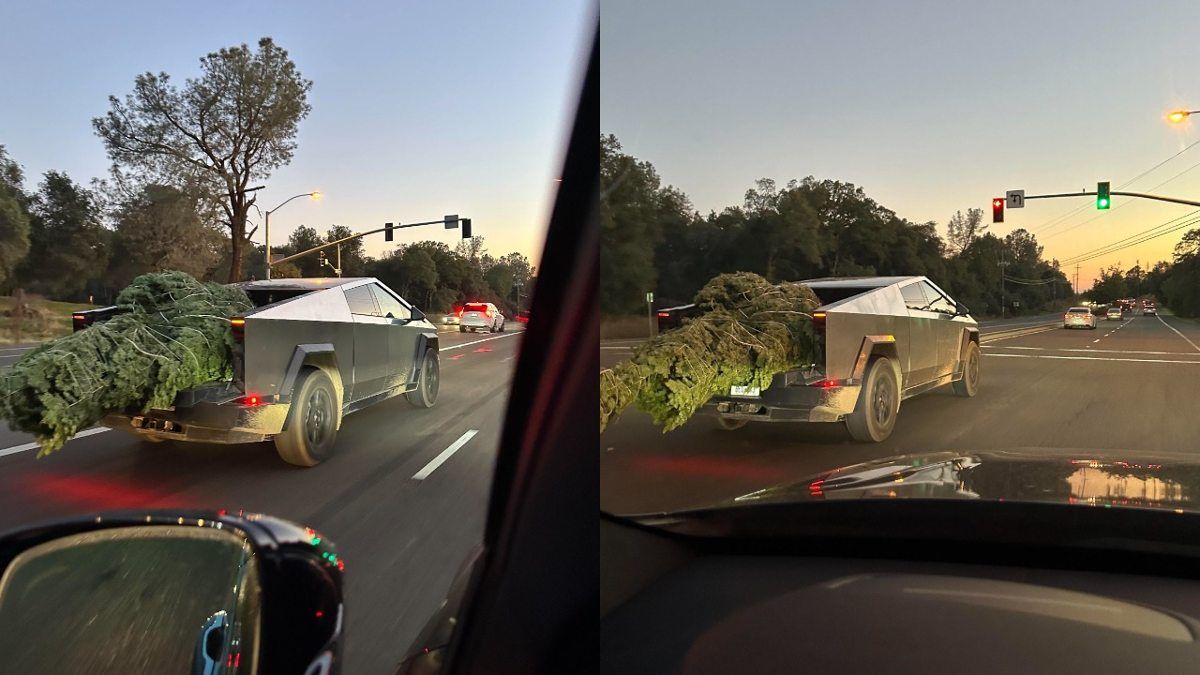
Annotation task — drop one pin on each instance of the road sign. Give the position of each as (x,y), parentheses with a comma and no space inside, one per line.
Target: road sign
(1015,199)
(451,221)
(649,297)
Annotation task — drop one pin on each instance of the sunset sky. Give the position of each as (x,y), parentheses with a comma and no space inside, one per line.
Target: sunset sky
(931,107)
(419,108)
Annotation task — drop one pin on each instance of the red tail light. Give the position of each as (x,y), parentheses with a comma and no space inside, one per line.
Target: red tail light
(251,400)
(664,315)
(238,326)
(460,311)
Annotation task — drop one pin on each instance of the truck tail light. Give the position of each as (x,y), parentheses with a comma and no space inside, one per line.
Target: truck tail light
(238,326)
(78,321)
(252,400)
(818,319)
(664,315)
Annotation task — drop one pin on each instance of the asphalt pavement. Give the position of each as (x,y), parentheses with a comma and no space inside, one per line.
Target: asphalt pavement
(404,498)
(1127,386)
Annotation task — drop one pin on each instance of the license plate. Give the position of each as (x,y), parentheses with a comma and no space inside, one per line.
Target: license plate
(744,391)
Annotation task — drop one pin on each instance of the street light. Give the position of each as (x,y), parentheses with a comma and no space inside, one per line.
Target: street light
(314,195)
(1177,116)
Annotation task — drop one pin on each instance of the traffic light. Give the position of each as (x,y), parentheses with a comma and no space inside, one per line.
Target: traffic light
(1102,195)
(387,234)
(466,228)
(998,210)
(320,259)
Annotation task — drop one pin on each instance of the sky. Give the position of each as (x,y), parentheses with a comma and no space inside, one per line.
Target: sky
(419,109)
(930,107)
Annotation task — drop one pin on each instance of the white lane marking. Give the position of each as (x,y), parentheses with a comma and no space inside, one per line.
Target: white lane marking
(507,358)
(1091,351)
(1193,344)
(17,349)
(1086,358)
(1095,341)
(475,342)
(33,446)
(445,455)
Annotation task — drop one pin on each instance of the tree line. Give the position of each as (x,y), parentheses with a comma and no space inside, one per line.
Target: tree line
(652,239)
(69,242)
(1175,283)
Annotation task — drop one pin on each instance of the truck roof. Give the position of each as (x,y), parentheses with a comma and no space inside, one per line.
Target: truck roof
(309,284)
(857,282)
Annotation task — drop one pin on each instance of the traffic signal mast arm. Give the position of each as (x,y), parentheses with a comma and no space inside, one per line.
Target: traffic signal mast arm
(465,221)
(1117,193)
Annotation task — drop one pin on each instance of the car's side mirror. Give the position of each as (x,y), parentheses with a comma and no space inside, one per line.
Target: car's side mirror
(417,314)
(961,309)
(165,592)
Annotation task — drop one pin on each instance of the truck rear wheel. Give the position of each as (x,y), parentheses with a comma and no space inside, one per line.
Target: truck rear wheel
(874,415)
(428,382)
(311,427)
(969,384)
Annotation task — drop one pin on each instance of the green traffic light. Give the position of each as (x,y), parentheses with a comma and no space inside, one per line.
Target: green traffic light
(1102,204)
(1102,195)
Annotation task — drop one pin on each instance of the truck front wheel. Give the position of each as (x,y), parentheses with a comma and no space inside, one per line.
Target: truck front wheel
(426,393)
(874,415)
(311,427)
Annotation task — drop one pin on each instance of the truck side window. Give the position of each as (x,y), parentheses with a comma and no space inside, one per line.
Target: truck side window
(937,301)
(362,301)
(389,304)
(914,298)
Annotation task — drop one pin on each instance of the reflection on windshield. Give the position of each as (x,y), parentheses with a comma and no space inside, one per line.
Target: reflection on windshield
(1073,481)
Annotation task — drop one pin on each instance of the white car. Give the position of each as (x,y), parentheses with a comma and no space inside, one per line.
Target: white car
(1079,317)
(1113,313)
(479,315)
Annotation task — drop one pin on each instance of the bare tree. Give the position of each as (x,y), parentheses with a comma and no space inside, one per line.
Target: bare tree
(964,229)
(229,127)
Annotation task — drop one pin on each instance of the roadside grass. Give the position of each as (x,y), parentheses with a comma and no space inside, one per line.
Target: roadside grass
(624,326)
(53,320)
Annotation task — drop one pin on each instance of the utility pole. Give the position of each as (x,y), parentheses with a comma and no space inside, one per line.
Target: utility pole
(339,253)
(1002,264)
(1076,278)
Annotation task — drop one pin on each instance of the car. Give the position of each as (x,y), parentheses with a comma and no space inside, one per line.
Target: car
(450,319)
(1149,310)
(882,340)
(673,317)
(310,349)
(523,316)
(1079,317)
(479,315)
(1114,313)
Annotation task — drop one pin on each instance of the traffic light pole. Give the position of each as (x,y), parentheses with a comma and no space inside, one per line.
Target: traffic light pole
(1140,195)
(386,228)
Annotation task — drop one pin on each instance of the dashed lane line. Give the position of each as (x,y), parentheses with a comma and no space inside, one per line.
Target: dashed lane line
(33,446)
(445,455)
(1087,358)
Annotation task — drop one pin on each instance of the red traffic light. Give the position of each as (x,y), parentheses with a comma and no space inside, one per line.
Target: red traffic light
(998,210)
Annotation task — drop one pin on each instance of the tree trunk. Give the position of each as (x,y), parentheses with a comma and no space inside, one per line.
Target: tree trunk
(237,231)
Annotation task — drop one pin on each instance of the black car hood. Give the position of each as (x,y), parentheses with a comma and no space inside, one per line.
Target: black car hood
(1088,477)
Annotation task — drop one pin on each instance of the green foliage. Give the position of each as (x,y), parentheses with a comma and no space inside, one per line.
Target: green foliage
(750,331)
(173,335)
(14,218)
(68,245)
(160,228)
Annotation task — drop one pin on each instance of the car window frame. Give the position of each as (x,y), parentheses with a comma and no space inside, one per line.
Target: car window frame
(375,303)
(939,297)
(924,307)
(377,288)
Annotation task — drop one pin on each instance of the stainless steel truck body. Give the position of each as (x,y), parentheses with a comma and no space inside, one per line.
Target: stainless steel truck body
(882,340)
(311,352)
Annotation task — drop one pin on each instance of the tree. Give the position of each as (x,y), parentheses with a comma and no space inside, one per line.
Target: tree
(629,228)
(160,229)
(14,217)
(354,257)
(302,239)
(68,245)
(1110,285)
(964,229)
(231,126)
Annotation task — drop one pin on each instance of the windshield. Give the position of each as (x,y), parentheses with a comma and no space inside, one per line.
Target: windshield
(896,251)
(291,205)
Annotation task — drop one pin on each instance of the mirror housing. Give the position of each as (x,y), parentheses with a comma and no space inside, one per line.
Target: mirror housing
(960,309)
(224,593)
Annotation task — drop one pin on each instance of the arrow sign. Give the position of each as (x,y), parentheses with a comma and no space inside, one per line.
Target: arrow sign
(1014,199)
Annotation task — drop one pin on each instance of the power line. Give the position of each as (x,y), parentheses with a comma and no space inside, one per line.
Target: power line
(1047,225)
(1125,203)
(1074,258)
(1142,240)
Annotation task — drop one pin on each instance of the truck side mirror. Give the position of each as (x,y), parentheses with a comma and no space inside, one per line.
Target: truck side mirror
(961,309)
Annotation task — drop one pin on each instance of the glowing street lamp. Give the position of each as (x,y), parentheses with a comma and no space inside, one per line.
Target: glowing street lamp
(1178,116)
(314,195)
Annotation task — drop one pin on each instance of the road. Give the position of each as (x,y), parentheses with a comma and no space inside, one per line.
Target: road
(1126,386)
(402,538)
